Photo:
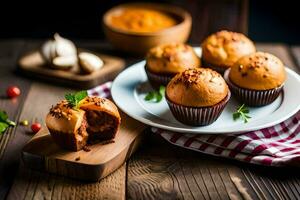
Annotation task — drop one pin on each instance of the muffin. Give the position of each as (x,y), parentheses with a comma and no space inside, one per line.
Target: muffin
(165,61)
(256,79)
(96,119)
(197,96)
(222,49)
(67,126)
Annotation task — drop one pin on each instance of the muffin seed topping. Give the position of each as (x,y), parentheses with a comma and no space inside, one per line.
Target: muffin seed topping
(62,109)
(193,76)
(96,100)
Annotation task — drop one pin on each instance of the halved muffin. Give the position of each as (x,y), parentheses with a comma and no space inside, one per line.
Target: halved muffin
(222,49)
(165,61)
(67,126)
(256,79)
(96,119)
(102,117)
(197,96)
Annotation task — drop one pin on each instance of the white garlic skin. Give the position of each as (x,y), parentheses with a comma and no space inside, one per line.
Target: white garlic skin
(64,62)
(89,62)
(58,47)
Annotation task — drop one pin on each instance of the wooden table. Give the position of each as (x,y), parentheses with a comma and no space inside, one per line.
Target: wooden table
(157,170)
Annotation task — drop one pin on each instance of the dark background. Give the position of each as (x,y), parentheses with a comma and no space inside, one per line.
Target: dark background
(267,21)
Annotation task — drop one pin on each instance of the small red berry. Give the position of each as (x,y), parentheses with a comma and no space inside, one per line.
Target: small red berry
(13,91)
(35,127)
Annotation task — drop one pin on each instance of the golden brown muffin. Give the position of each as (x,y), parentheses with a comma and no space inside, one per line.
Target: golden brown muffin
(67,126)
(96,119)
(171,58)
(199,87)
(224,48)
(258,71)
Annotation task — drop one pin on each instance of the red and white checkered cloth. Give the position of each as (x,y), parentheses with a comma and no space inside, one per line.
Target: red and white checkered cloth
(278,145)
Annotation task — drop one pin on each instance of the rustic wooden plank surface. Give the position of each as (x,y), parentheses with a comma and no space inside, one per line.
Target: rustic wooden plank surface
(210,16)
(158,170)
(9,52)
(36,185)
(39,98)
(161,171)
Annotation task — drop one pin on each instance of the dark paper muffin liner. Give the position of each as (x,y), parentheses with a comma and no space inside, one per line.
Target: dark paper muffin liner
(156,80)
(253,97)
(218,69)
(198,116)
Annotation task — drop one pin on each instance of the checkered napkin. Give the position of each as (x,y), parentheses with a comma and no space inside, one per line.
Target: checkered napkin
(278,145)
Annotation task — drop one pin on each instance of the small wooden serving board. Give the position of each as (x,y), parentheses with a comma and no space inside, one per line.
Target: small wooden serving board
(42,153)
(32,64)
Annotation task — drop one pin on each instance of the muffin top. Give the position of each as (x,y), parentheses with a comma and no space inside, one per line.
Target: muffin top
(63,118)
(258,71)
(199,87)
(100,104)
(224,48)
(171,58)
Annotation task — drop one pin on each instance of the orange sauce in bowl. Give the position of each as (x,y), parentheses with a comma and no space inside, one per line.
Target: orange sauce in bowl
(141,20)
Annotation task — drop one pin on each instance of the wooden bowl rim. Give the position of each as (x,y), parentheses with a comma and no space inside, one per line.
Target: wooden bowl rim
(174,10)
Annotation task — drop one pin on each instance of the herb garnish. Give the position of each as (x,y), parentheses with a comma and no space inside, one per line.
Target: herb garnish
(74,98)
(5,122)
(155,96)
(242,112)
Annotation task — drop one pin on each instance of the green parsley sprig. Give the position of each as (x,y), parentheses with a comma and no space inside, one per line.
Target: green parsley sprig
(74,98)
(155,96)
(242,112)
(5,122)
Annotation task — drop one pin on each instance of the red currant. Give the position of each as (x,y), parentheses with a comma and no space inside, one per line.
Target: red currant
(13,91)
(35,127)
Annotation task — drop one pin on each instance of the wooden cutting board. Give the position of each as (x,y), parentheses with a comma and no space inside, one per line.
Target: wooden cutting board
(42,153)
(33,65)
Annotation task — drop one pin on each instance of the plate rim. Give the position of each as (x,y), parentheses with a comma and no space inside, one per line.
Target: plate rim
(191,129)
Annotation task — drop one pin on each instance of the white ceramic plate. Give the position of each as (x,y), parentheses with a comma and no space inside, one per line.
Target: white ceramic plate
(130,87)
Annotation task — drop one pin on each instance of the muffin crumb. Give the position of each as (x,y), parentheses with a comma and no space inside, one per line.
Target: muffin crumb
(86,149)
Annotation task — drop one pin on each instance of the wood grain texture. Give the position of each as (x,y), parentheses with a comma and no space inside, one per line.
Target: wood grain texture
(210,16)
(37,185)
(163,171)
(36,107)
(100,161)
(9,52)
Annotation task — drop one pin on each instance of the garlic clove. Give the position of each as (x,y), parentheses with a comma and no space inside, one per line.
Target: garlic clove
(46,51)
(58,47)
(64,62)
(63,46)
(90,62)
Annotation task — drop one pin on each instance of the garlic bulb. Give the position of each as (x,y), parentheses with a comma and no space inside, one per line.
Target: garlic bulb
(58,47)
(89,62)
(64,62)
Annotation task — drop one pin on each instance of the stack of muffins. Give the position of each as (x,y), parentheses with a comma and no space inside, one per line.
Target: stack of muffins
(197,94)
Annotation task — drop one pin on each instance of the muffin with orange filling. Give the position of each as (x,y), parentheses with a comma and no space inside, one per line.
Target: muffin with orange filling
(165,61)
(222,49)
(197,96)
(95,119)
(256,79)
